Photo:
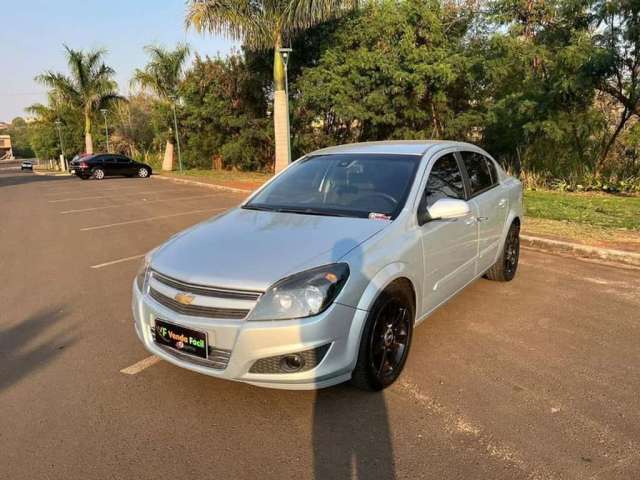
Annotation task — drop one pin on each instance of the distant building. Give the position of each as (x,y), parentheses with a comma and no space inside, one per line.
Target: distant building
(5,147)
(4,125)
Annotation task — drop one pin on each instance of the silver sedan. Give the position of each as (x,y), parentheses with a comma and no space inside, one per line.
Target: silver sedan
(322,274)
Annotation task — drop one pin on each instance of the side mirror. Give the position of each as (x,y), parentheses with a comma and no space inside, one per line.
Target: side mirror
(448,209)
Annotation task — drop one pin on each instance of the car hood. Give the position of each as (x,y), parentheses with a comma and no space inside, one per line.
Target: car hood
(250,250)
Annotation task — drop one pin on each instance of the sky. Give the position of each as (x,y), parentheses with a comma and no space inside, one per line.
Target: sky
(33,33)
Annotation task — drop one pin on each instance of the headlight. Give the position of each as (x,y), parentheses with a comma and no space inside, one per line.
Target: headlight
(142,277)
(303,294)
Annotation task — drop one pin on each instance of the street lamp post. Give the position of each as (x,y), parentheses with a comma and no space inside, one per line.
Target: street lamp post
(174,99)
(285,53)
(63,165)
(106,126)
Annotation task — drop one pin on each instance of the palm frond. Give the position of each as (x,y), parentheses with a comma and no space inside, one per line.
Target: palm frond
(163,73)
(248,21)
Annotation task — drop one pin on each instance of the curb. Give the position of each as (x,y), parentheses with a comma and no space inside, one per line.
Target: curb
(202,184)
(585,251)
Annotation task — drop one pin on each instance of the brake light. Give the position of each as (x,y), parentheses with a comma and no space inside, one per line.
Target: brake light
(83,165)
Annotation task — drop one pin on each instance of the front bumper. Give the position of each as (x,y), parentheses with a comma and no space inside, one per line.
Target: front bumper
(339,326)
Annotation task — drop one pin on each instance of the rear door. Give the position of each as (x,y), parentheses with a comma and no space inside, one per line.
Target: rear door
(491,203)
(110,165)
(449,248)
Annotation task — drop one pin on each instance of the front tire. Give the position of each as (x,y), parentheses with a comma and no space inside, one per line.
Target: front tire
(386,339)
(143,172)
(98,173)
(505,268)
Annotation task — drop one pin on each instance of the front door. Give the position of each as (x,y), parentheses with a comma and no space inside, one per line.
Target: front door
(126,166)
(491,204)
(449,247)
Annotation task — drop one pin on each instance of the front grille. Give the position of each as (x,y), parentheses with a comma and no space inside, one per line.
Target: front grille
(198,310)
(217,358)
(206,291)
(273,364)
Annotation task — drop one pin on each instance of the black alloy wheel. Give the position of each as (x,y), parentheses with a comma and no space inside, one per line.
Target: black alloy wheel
(511,253)
(385,340)
(504,270)
(388,345)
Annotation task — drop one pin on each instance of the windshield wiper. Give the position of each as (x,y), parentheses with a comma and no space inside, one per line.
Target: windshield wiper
(259,208)
(311,211)
(301,210)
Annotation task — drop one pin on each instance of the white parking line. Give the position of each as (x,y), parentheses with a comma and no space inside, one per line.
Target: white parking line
(71,199)
(120,260)
(137,202)
(149,219)
(88,190)
(141,365)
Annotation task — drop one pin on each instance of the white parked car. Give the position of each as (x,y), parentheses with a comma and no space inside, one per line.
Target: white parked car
(322,274)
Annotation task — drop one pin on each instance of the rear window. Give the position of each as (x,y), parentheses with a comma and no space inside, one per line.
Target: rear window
(479,171)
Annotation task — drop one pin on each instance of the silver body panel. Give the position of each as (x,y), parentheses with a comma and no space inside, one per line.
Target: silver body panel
(245,250)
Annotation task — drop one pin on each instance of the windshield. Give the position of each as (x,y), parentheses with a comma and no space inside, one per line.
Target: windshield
(353,185)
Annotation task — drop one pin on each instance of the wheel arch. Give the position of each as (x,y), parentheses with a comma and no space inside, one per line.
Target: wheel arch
(393,273)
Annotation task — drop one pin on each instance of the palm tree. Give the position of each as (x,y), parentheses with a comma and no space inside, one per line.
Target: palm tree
(264,24)
(89,88)
(163,76)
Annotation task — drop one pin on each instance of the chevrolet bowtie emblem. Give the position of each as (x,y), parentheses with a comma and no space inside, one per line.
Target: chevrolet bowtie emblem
(184,298)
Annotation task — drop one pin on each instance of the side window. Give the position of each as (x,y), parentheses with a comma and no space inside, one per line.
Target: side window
(493,170)
(123,160)
(478,171)
(109,160)
(445,180)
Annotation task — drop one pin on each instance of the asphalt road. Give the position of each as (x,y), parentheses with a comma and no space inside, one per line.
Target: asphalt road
(538,378)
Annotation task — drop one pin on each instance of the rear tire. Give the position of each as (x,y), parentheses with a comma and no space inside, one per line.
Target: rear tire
(98,173)
(505,268)
(143,172)
(385,340)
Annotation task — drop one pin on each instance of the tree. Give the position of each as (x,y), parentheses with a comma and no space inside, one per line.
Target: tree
(163,75)
(224,115)
(89,88)
(392,70)
(261,25)
(618,64)
(19,132)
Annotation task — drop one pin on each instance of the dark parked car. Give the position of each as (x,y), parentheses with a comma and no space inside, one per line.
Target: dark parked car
(102,165)
(26,165)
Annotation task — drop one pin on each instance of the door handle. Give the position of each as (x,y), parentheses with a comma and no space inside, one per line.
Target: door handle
(502,202)
(473,220)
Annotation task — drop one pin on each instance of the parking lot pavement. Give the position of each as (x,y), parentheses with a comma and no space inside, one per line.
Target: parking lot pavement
(537,378)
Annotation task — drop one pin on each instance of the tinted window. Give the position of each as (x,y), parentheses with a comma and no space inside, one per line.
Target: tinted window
(123,160)
(478,171)
(342,184)
(493,170)
(445,180)
(110,159)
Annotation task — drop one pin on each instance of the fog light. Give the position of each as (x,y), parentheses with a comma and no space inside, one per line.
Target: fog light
(292,363)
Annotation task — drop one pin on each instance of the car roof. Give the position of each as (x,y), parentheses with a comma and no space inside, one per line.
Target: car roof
(402,147)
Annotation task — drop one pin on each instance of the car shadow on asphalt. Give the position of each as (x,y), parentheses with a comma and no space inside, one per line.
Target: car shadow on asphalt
(351,435)
(19,178)
(29,345)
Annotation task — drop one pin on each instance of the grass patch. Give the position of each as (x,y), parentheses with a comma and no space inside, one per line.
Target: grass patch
(600,210)
(226,176)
